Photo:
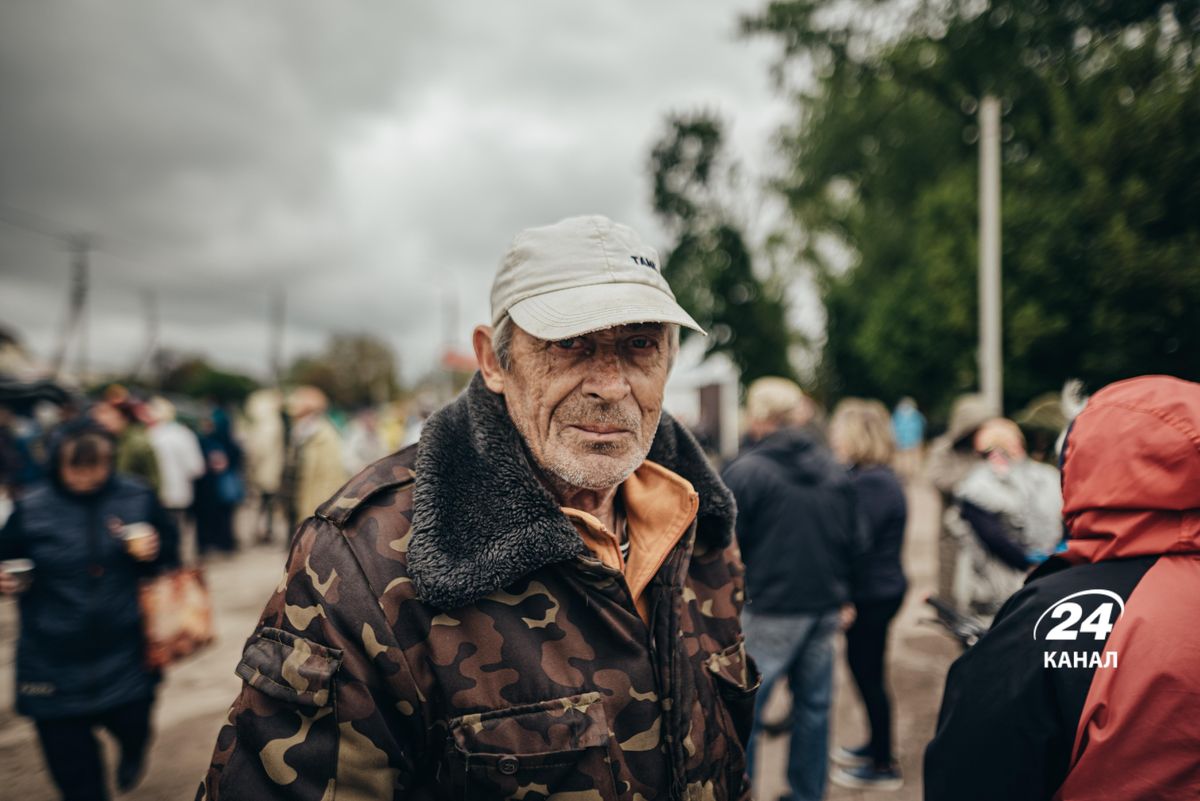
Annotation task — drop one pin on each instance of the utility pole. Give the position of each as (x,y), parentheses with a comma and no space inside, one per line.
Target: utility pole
(150,303)
(991,371)
(81,246)
(278,317)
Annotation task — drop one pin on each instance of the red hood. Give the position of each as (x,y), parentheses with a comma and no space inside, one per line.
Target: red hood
(1131,471)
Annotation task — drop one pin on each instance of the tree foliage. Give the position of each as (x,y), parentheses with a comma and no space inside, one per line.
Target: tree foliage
(194,377)
(1100,199)
(710,266)
(354,370)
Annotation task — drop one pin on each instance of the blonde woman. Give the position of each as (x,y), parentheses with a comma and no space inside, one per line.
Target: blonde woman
(860,434)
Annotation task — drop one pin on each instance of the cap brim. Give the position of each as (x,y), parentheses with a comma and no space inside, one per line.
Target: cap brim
(580,310)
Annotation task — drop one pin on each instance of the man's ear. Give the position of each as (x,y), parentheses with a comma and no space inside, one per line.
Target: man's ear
(485,354)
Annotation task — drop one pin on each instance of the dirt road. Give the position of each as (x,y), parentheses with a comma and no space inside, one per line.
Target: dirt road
(195,697)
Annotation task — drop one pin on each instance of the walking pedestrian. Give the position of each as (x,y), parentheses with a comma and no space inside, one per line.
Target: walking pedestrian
(313,468)
(180,461)
(265,443)
(908,428)
(364,441)
(220,489)
(1086,686)
(798,530)
(118,414)
(539,600)
(88,534)
(862,438)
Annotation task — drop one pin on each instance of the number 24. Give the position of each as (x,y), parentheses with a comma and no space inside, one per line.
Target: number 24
(1098,623)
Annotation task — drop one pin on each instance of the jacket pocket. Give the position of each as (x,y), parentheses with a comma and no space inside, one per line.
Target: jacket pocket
(284,724)
(737,680)
(290,669)
(534,751)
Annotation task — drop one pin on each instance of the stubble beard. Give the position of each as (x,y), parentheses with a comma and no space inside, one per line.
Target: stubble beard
(601,465)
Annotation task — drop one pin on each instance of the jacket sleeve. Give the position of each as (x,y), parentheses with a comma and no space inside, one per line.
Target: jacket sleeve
(999,735)
(989,529)
(328,707)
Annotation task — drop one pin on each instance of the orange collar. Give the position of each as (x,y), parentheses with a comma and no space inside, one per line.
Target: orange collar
(659,507)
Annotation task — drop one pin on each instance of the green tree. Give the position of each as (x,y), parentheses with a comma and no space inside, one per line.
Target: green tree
(1101,188)
(710,267)
(353,370)
(194,377)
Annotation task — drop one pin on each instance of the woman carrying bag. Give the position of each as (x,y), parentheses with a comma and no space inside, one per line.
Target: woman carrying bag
(85,539)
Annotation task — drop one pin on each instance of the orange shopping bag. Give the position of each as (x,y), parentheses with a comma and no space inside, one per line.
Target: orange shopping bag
(176,615)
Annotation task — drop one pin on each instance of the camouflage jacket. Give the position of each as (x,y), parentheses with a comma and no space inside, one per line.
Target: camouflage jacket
(442,633)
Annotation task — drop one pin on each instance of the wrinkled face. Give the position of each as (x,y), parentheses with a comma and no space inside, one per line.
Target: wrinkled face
(588,407)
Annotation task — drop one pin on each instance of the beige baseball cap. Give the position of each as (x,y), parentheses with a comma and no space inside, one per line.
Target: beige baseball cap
(579,275)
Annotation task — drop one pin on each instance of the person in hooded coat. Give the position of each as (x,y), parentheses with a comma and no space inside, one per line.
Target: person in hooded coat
(80,647)
(1087,685)
(802,539)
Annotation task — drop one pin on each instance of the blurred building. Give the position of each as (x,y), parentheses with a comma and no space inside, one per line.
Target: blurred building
(702,394)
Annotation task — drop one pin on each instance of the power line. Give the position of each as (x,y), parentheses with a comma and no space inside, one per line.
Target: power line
(36,223)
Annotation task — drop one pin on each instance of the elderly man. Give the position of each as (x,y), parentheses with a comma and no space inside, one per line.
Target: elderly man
(540,599)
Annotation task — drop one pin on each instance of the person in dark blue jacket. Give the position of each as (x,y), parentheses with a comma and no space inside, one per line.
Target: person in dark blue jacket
(861,437)
(80,648)
(219,491)
(800,538)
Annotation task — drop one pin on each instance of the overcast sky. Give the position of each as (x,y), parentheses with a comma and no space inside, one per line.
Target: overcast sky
(374,158)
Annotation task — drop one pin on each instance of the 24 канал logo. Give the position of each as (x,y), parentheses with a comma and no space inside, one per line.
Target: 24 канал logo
(1084,618)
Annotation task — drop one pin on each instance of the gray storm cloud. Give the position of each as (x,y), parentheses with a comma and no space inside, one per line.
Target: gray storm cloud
(372,159)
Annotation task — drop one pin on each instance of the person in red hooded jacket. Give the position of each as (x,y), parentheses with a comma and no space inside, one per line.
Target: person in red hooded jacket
(1087,686)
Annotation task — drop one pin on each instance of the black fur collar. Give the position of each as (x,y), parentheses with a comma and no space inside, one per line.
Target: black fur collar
(481,519)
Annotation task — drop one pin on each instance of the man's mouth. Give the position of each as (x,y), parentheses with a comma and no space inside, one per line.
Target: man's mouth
(600,431)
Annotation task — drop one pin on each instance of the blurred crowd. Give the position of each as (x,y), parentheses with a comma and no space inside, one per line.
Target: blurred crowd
(843,475)
(283,454)
(97,498)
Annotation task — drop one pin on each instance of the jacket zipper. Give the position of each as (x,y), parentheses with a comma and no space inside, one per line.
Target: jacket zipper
(95,566)
(663,674)
(673,720)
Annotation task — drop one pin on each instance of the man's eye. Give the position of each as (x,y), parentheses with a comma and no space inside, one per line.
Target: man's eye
(642,343)
(568,344)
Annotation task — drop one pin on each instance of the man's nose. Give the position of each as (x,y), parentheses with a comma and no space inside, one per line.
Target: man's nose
(606,378)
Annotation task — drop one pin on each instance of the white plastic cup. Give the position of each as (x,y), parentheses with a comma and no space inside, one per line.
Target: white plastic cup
(135,536)
(21,570)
